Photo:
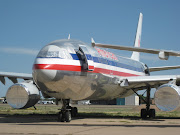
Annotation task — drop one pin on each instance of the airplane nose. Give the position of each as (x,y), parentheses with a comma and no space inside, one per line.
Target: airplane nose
(42,74)
(44,68)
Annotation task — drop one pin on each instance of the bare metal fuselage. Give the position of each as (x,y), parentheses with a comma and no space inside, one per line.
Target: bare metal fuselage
(70,69)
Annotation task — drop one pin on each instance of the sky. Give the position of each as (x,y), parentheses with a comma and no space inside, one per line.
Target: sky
(27,26)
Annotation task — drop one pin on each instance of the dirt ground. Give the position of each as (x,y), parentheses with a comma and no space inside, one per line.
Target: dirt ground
(48,125)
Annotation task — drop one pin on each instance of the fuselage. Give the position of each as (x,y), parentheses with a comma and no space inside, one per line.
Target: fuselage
(72,69)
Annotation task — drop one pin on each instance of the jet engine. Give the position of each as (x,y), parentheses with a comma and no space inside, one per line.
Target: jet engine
(167,97)
(163,55)
(22,95)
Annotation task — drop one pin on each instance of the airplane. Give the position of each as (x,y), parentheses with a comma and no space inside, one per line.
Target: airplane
(69,69)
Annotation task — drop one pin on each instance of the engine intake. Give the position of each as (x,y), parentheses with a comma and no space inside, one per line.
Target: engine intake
(167,97)
(22,95)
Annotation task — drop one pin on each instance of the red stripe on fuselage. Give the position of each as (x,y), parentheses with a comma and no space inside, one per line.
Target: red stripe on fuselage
(78,69)
(57,67)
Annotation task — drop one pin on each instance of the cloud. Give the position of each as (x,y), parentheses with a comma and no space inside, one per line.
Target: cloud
(25,51)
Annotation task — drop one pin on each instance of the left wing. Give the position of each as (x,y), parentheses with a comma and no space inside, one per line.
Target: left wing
(14,76)
(141,82)
(152,69)
(163,54)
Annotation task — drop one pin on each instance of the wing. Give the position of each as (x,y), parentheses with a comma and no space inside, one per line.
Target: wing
(141,82)
(14,76)
(152,69)
(163,54)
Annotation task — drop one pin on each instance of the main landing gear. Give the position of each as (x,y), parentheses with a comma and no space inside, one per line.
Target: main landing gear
(67,112)
(147,111)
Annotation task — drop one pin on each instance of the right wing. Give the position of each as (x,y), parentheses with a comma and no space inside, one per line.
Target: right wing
(141,82)
(14,76)
(163,54)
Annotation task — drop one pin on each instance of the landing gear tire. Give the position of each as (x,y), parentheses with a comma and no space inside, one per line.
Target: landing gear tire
(152,113)
(74,111)
(64,116)
(61,117)
(68,116)
(143,113)
(67,112)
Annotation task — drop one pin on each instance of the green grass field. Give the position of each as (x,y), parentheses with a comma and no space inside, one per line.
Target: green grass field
(87,111)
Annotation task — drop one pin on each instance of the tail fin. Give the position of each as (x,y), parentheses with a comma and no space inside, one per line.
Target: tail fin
(136,55)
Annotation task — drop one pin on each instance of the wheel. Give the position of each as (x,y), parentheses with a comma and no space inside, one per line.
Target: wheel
(74,111)
(152,113)
(61,117)
(68,116)
(143,113)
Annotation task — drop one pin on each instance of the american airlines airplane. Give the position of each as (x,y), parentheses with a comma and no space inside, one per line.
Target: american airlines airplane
(70,69)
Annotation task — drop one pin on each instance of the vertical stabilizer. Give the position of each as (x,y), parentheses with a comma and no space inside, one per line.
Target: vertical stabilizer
(135,55)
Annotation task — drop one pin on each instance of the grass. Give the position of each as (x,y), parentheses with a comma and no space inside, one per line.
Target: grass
(7,110)
(92,111)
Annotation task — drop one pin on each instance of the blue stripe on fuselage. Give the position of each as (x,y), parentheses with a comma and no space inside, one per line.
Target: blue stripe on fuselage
(108,62)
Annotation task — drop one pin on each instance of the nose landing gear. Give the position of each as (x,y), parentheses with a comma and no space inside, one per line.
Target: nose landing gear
(67,112)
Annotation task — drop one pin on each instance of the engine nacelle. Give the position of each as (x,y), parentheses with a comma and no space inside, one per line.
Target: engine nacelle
(167,97)
(163,55)
(22,95)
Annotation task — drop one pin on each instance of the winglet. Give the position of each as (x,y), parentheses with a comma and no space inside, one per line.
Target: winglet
(135,55)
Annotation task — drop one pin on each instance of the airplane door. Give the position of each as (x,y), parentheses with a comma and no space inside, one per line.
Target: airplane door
(88,58)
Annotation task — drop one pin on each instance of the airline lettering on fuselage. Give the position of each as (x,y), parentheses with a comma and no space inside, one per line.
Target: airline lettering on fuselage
(106,54)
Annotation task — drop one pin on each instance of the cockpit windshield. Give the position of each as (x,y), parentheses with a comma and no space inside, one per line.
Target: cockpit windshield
(48,54)
(52,51)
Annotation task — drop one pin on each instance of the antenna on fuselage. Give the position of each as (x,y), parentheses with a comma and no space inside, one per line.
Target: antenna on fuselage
(69,37)
(92,42)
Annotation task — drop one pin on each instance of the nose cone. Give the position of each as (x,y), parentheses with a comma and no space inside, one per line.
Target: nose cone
(42,74)
(44,65)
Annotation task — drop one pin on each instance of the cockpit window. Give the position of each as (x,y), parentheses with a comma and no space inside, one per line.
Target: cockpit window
(48,54)
(64,54)
(54,52)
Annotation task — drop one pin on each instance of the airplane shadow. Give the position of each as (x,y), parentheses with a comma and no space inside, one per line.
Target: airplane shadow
(105,125)
(43,119)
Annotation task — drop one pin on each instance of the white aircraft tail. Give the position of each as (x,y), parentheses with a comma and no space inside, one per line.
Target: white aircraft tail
(136,55)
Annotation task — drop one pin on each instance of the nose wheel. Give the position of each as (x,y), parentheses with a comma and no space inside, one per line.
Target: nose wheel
(64,116)
(67,112)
